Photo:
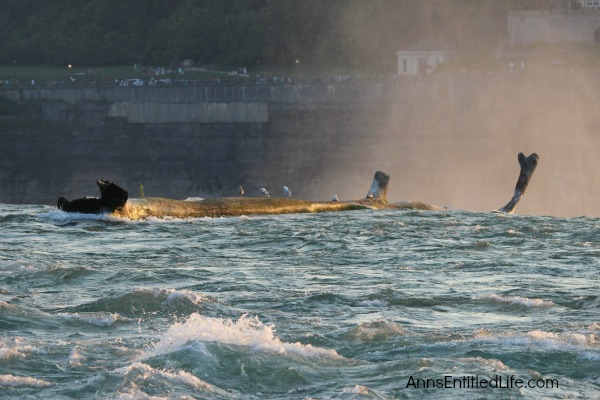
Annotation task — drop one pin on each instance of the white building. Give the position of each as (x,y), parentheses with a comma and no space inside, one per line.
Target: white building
(590,4)
(422,57)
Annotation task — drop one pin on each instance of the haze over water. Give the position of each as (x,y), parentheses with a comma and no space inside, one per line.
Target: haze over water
(453,141)
(335,305)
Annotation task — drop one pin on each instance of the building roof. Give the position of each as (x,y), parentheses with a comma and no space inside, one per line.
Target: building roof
(428,44)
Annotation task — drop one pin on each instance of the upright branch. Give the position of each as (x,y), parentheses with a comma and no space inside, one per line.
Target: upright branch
(528,165)
(379,186)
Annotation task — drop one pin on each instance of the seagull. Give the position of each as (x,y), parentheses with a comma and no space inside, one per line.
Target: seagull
(241,191)
(287,192)
(264,192)
(335,198)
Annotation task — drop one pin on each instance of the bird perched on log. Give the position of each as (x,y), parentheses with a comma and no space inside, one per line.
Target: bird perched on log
(287,192)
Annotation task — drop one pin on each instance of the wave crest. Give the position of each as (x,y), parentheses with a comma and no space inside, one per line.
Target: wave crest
(8,380)
(141,371)
(519,301)
(539,338)
(246,331)
(94,318)
(377,331)
(16,348)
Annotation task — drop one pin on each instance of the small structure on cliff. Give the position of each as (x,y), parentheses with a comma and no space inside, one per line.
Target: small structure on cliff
(422,57)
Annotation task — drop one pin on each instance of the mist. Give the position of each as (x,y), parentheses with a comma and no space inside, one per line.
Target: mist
(451,138)
(461,151)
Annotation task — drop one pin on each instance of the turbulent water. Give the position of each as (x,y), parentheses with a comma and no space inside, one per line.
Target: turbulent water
(351,305)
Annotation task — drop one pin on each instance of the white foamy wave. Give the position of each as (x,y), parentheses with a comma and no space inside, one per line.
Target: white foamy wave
(518,300)
(196,298)
(194,199)
(496,365)
(76,359)
(9,380)
(17,269)
(479,228)
(358,389)
(143,371)
(23,269)
(7,306)
(16,348)
(168,220)
(137,394)
(245,331)
(373,303)
(94,318)
(13,352)
(377,330)
(560,339)
(62,216)
(547,340)
(172,295)
(594,326)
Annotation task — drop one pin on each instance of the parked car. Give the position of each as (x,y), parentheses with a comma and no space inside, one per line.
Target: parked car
(132,82)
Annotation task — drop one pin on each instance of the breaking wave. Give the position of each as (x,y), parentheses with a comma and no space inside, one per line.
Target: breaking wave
(246,331)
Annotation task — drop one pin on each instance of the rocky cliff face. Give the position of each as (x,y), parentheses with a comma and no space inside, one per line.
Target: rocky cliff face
(53,149)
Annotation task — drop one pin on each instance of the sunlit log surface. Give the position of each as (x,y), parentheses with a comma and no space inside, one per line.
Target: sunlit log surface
(224,206)
(236,206)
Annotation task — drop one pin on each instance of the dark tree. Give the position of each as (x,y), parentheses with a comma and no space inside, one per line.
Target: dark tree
(364,33)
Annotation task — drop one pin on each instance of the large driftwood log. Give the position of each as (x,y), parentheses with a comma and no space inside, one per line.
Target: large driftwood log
(115,203)
(236,206)
(225,206)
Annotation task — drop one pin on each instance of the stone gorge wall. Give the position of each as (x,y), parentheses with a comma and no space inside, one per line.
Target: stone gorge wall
(448,142)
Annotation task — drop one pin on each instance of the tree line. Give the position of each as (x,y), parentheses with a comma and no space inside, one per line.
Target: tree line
(355,33)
